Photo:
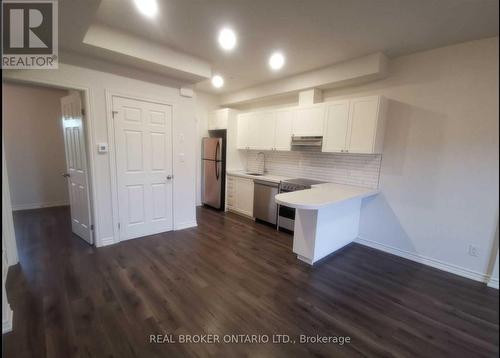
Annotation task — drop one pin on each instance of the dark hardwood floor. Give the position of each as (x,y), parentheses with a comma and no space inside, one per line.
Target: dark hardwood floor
(232,276)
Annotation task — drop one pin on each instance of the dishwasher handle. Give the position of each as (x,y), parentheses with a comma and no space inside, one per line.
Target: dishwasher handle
(266,183)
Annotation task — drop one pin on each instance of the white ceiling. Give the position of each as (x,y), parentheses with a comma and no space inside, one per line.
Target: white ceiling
(312,33)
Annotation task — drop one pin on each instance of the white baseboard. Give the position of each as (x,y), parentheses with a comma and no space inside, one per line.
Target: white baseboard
(7,322)
(457,270)
(493,282)
(105,241)
(39,205)
(185,225)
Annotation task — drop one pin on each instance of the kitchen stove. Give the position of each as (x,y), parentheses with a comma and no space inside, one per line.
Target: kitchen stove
(286,215)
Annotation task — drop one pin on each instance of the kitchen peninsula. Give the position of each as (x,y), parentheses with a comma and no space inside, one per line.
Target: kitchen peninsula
(327,218)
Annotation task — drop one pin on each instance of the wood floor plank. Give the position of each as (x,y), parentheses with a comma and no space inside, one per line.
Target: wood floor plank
(227,276)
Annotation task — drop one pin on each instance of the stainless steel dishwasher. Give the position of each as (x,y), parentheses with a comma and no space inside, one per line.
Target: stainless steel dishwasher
(264,206)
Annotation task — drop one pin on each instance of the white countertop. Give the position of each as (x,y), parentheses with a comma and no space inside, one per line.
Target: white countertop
(265,177)
(322,195)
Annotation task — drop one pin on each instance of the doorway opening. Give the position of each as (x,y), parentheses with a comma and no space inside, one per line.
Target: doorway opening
(45,148)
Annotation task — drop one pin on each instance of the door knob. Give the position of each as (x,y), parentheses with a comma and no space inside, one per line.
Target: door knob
(66,175)
(169,177)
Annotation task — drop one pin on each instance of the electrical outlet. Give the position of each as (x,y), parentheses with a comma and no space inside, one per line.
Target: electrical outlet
(473,251)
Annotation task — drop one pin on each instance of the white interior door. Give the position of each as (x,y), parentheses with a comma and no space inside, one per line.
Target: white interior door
(76,164)
(143,141)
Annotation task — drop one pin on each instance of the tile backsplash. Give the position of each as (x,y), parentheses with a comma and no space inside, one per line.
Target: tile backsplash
(354,169)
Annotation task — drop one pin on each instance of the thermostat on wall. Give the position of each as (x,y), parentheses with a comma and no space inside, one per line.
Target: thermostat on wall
(102,148)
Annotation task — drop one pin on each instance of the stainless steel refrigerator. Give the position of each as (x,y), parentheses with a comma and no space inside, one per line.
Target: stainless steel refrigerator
(213,171)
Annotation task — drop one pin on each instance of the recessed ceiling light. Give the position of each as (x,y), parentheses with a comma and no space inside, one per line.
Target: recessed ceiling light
(147,7)
(276,61)
(227,39)
(217,81)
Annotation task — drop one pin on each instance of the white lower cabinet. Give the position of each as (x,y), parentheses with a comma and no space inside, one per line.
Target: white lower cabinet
(239,195)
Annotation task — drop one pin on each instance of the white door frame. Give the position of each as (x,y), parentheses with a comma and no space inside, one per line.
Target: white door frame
(8,233)
(88,120)
(112,152)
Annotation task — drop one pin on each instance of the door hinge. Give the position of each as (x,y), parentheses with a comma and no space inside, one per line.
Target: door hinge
(92,227)
(113,113)
(83,111)
(118,226)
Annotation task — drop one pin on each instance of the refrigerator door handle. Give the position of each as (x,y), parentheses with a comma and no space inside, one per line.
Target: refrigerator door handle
(216,156)
(217,160)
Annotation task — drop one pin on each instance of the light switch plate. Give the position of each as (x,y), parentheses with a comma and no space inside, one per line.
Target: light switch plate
(102,148)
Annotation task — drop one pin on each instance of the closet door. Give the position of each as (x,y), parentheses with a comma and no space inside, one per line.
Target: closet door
(143,141)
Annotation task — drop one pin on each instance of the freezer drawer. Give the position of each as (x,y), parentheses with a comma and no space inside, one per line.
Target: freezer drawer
(264,206)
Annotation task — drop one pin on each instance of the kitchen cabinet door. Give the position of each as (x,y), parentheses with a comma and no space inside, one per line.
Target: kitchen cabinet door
(244,196)
(336,127)
(308,121)
(283,130)
(242,141)
(261,131)
(363,118)
(230,191)
(218,119)
(212,121)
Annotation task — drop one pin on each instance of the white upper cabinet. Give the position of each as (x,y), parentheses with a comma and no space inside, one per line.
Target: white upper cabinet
(336,126)
(218,119)
(308,120)
(244,120)
(262,130)
(270,130)
(366,125)
(283,129)
(355,126)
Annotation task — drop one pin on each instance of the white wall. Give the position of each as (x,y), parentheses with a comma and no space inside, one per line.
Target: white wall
(205,103)
(439,174)
(494,279)
(34,146)
(494,275)
(134,83)
(9,249)
(350,169)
